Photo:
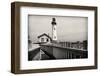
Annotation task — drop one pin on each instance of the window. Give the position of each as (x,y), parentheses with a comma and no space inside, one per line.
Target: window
(42,39)
(47,39)
(55,37)
(54,28)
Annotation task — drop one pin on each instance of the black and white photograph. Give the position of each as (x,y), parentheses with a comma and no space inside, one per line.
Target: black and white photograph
(53,37)
(57,37)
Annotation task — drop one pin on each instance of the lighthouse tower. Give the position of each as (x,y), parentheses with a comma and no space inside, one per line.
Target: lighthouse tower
(54,29)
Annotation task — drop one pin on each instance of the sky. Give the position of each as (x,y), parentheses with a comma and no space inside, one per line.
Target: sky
(68,28)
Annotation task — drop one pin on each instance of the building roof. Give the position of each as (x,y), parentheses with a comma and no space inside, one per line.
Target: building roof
(44,34)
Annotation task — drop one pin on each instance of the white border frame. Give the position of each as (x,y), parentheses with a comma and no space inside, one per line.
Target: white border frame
(25,64)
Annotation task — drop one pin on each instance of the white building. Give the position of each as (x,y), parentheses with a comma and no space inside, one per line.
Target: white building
(54,29)
(44,38)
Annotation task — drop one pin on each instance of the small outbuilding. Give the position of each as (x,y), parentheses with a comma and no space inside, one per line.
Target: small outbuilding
(44,38)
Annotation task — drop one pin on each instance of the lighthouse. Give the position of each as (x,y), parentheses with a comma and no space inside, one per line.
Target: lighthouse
(54,29)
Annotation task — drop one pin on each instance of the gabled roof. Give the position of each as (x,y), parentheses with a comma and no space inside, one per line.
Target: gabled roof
(44,34)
